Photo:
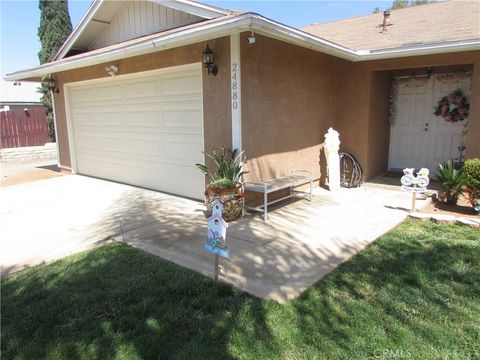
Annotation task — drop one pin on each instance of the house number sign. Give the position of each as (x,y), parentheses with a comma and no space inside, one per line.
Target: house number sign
(234,86)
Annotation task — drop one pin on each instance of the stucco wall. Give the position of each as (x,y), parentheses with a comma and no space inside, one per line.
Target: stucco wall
(288,103)
(378,124)
(216,107)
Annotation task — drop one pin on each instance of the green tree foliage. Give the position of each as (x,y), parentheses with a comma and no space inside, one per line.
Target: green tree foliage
(399,4)
(55,26)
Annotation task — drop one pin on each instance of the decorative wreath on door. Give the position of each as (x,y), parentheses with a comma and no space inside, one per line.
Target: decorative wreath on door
(453,108)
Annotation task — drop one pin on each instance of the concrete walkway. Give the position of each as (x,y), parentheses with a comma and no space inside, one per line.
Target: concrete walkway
(302,241)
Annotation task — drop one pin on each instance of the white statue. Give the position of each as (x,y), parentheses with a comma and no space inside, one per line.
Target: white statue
(332,145)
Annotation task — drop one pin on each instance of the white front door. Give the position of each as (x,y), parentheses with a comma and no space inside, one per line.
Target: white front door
(417,137)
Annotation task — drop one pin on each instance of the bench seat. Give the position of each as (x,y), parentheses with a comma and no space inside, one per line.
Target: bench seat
(296,178)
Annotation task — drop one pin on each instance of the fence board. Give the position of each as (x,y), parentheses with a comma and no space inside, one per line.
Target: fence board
(20,128)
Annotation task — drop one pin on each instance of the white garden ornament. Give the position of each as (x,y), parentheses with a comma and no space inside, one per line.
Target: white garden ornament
(332,145)
(415,184)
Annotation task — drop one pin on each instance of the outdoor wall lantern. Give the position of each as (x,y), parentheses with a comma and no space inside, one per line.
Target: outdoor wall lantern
(208,60)
(251,39)
(429,71)
(51,85)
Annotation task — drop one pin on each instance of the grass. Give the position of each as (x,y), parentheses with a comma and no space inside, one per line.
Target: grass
(414,293)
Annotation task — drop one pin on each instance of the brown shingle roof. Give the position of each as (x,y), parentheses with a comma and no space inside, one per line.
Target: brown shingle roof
(446,21)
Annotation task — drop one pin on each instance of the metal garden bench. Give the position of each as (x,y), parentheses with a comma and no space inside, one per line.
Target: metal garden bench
(296,178)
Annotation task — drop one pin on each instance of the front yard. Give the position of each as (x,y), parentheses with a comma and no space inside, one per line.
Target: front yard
(414,293)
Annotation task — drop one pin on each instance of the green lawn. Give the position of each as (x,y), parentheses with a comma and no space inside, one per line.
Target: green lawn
(414,293)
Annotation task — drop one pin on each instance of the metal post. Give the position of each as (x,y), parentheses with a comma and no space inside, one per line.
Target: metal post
(216,267)
(265,201)
(414,197)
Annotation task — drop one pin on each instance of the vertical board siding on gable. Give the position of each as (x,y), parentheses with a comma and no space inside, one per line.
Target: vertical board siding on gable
(140,18)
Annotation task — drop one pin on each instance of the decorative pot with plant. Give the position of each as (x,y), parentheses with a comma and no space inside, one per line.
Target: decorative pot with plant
(472,182)
(451,181)
(225,182)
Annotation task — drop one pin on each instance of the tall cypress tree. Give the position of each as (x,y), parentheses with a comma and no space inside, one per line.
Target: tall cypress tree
(55,26)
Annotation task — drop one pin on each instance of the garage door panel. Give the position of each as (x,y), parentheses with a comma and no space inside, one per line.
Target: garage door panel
(145,131)
(182,152)
(85,120)
(150,148)
(179,179)
(82,95)
(143,89)
(175,86)
(142,119)
(109,92)
(109,119)
(183,120)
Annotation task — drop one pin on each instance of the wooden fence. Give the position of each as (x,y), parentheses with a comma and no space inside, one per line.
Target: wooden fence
(20,128)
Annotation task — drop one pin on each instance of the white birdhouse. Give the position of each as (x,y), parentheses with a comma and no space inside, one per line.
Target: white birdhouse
(217,230)
(217,207)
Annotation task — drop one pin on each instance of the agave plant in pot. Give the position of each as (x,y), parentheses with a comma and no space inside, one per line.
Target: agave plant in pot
(225,182)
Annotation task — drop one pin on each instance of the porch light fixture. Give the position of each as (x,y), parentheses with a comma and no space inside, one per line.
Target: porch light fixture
(112,70)
(208,60)
(429,71)
(51,85)
(251,39)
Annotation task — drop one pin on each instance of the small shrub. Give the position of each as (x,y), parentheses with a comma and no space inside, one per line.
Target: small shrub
(472,180)
(451,180)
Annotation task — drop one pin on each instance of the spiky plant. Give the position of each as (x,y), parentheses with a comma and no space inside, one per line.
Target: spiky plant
(451,180)
(228,171)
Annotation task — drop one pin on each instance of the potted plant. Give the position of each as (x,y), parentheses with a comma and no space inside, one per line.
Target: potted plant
(451,181)
(225,182)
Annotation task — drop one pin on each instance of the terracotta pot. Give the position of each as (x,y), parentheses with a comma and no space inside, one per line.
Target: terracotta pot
(233,201)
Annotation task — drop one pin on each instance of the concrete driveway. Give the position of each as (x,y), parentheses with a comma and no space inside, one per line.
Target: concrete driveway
(302,241)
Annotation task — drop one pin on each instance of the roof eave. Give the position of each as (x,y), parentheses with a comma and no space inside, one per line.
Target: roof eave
(239,23)
(419,50)
(68,43)
(203,32)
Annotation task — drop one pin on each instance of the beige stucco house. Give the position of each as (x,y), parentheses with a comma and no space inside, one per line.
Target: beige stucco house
(136,105)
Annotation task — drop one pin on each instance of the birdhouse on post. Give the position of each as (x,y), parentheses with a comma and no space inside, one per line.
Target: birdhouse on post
(217,207)
(217,234)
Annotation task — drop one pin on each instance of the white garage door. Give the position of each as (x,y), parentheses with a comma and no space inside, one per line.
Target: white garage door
(144,130)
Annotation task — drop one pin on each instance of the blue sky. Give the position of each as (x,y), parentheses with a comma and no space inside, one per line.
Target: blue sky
(19,20)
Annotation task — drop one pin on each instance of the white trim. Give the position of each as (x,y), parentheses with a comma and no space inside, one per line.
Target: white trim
(55,126)
(236,91)
(244,22)
(201,10)
(67,45)
(71,138)
(203,119)
(190,7)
